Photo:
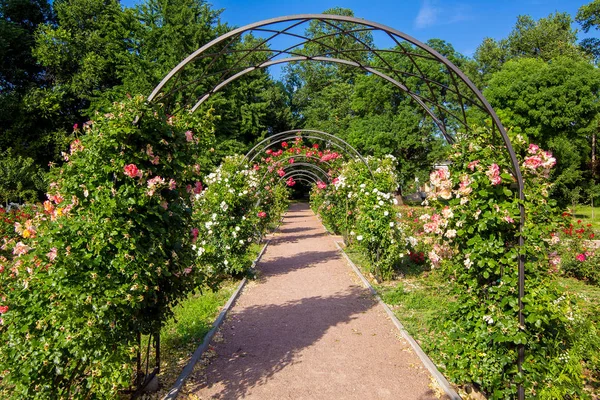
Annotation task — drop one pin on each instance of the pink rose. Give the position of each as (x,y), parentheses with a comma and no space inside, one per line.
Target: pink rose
(533,162)
(52,254)
(493,173)
(132,171)
(533,148)
(581,257)
(189,136)
(198,188)
(472,165)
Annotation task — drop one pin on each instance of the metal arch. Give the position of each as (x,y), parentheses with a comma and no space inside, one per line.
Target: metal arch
(451,68)
(282,160)
(301,172)
(307,174)
(283,167)
(325,18)
(308,165)
(303,178)
(417,98)
(294,136)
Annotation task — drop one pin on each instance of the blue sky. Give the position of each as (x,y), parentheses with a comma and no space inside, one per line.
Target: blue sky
(463,23)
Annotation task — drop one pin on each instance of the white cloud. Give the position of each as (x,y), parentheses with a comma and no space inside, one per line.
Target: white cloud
(430,14)
(427,16)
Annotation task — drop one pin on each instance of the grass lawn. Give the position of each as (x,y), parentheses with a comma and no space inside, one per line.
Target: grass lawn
(588,300)
(192,320)
(584,213)
(182,334)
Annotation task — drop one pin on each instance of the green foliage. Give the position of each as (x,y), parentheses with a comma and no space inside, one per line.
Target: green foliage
(553,103)
(545,39)
(226,216)
(577,251)
(480,341)
(20,179)
(588,16)
(108,258)
(23,127)
(361,207)
(370,113)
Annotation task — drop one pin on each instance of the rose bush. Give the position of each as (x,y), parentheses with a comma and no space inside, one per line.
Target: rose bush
(476,223)
(228,217)
(108,256)
(577,251)
(362,208)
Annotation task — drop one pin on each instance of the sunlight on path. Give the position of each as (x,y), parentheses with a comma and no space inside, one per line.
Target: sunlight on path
(308,330)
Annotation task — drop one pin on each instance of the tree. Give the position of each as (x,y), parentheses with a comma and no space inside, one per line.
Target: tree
(22,127)
(589,17)
(554,104)
(546,39)
(20,179)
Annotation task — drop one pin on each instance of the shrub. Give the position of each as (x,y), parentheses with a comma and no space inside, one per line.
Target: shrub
(579,256)
(478,218)
(227,220)
(107,258)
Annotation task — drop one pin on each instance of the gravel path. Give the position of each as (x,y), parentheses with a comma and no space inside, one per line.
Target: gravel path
(307,329)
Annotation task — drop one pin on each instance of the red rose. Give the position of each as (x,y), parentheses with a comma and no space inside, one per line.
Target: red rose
(132,171)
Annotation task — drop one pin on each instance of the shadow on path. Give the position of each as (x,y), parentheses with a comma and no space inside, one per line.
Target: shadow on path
(273,337)
(287,264)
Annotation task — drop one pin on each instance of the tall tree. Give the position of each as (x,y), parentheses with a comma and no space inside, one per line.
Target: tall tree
(22,127)
(85,50)
(589,17)
(546,38)
(554,104)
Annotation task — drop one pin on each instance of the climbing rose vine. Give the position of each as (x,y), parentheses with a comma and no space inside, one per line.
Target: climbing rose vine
(105,259)
(476,225)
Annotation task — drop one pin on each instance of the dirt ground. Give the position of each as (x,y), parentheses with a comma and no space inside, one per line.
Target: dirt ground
(307,329)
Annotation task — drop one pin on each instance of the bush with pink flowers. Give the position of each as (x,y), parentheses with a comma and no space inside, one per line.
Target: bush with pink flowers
(107,257)
(476,223)
(578,252)
(362,208)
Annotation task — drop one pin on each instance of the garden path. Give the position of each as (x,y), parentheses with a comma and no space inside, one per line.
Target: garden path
(307,329)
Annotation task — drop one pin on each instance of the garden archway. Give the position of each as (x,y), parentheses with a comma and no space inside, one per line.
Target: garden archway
(448,97)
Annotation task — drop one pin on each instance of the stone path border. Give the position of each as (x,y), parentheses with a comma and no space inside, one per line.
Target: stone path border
(441,379)
(187,370)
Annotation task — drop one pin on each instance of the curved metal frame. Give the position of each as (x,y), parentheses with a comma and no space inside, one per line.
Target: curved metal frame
(288,135)
(306,173)
(282,161)
(434,105)
(301,164)
(299,178)
(293,174)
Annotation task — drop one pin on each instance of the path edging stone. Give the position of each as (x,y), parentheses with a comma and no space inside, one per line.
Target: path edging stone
(187,370)
(441,379)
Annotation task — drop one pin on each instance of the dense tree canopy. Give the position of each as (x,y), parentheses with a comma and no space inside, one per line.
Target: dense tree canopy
(554,104)
(63,61)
